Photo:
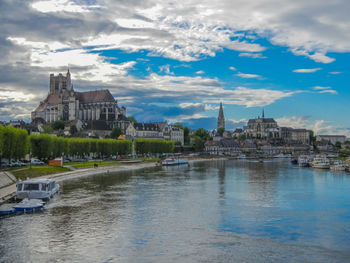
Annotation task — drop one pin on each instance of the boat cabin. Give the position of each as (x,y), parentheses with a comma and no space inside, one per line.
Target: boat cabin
(39,189)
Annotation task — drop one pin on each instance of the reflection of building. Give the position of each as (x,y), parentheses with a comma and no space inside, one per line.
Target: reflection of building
(155,130)
(262,128)
(221,118)
(63,103)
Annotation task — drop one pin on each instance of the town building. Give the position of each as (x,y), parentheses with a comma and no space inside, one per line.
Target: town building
(63,103)
(262,128)
(155,130)
(294,136)
(331,138)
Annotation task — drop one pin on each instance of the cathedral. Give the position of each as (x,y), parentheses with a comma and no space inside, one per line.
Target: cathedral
(63,103)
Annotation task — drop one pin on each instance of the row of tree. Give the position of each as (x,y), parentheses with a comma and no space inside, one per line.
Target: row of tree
(144,146)
(16,143)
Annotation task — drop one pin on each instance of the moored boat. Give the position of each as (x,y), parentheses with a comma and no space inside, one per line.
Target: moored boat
(174,161)
(27,205)
(338,165)
(37,189)
(6,209)
(321,162)
(303,161)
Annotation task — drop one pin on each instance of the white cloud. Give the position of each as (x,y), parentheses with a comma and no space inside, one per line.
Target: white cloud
(248,76)
(232,68)
(318,126)
(335,72)
(62,6)
(329,91)
(251,55)
(306,70)
(200,72)
(321,88)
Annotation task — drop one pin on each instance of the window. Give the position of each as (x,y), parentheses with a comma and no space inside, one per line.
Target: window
(43,187)
(31,187)
(19,187)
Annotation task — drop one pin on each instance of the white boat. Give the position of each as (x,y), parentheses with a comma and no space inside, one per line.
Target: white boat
(338,165)
(241,156)
(37,189)
(29,205)
(282,155)
(174,161)
(321,162)
(303,161)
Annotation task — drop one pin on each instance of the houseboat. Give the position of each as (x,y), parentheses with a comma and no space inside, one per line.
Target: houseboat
(338,165)
(321,162)
(174,161)
(37,189)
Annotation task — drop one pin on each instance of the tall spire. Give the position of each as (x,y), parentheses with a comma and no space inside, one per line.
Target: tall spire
(263,114)
(221,118)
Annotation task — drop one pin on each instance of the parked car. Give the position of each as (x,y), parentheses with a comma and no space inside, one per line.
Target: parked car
(4,163)
(17,163)
(36,161)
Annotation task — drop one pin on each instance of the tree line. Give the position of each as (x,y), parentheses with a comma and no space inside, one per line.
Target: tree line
(16,143)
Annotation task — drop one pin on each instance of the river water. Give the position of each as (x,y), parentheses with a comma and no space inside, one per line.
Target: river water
(215,211)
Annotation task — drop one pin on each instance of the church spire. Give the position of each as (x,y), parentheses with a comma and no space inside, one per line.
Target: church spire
(221,118)
(263,114)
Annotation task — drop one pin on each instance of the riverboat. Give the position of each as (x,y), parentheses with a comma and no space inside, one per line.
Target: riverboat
(320,162)
(29,205)
(174,161)
(37,189)
(283,155)
(338,165)
(303,161)
(6,209)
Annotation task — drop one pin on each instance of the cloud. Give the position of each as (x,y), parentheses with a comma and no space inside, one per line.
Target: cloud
(306,70)
(251,55)
(62,6)
(232,68)
(335,72)
(248,76)
(200,72)
(329,91)
(318,126)
(321,88)
(165,69)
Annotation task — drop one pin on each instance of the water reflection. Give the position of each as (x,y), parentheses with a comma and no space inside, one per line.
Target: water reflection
(218,211)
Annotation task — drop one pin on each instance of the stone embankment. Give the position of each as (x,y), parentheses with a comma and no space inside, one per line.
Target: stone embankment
(7,186)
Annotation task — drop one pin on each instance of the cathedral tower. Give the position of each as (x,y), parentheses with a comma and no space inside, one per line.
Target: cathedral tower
(221,118)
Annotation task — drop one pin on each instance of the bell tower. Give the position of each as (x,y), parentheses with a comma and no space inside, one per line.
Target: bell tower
(221,118)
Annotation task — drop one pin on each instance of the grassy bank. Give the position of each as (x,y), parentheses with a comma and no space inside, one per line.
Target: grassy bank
(37,171)
(91,164)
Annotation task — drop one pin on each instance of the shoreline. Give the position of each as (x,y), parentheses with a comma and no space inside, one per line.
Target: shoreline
(8,192)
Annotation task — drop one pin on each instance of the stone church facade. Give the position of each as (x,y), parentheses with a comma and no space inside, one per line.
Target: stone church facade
(63,103)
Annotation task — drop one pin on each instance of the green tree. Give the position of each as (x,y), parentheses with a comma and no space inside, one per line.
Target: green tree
(116,132)
(21,144)
(221,131)
(241,137)
(337,145)
(132,119)
(47,129)
(1,139)
(203,134)
(58,125)
(41,146)
(312,137)
(73,130)
(8,142)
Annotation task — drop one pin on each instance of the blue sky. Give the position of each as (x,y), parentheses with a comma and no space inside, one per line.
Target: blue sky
(176,61)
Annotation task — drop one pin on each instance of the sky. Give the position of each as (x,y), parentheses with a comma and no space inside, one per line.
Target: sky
(177,60)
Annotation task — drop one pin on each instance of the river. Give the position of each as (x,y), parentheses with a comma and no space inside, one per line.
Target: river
(214,211)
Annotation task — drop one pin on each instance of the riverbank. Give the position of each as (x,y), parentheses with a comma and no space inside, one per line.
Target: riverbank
(8,192)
